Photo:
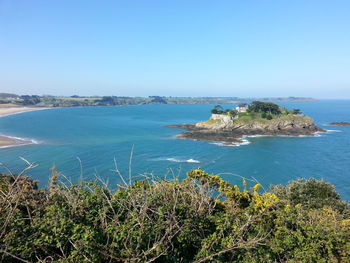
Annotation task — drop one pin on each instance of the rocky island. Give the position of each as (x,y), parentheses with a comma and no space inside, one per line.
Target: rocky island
(258,118)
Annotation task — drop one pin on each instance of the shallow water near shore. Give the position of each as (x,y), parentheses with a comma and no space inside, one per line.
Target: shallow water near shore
(98,135)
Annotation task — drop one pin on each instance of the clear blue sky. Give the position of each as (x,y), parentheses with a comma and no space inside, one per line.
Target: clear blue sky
(176,48)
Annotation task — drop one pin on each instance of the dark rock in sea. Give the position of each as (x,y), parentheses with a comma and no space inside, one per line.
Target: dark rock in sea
(341,123)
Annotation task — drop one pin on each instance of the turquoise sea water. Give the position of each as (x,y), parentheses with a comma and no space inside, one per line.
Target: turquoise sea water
(97,135)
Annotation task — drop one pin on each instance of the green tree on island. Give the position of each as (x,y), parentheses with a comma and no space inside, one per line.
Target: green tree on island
(267,107)
(218,109)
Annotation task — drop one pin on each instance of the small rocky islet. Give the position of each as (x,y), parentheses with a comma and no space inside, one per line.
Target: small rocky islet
(258,118)
(340,123)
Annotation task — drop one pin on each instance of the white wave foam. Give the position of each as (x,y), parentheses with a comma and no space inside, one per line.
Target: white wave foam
(246,142)
(333,131)
(236,144)
(175,160)
(316,134)
(256,136)
(192,161)
(172,160)
(223,144)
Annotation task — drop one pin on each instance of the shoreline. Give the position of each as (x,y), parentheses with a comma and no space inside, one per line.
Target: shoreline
(8,111)
(244,139)
(7,141)
(10,141)
(237,137)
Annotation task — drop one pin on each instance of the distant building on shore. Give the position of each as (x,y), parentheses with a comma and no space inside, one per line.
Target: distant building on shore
(243,107)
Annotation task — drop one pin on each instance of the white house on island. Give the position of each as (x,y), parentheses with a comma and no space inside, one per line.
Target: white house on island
(243,107)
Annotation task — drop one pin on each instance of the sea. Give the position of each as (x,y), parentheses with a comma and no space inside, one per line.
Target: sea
(123,143)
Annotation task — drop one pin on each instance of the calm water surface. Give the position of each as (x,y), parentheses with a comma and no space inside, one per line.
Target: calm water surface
(98,135)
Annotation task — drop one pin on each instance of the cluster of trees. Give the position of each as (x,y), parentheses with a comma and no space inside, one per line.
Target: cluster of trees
(30,99)
(218,109)
(268,108)
(265,110)
(200,219)
(115,100)
(158,100)
(295,111)
(264,107)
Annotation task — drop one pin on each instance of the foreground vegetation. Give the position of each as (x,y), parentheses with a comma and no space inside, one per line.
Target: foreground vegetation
(200,219)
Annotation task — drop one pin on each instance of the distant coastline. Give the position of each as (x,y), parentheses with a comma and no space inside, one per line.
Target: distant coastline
(76,101)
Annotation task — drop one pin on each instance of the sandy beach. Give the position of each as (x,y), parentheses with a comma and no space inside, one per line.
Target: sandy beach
(6,141)
(6,110)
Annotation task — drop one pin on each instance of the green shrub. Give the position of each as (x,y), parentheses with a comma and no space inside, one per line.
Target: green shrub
(200,219)
(311,193)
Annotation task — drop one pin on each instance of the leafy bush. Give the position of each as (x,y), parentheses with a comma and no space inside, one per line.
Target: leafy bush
(311,193)
(269,117)
(200,219)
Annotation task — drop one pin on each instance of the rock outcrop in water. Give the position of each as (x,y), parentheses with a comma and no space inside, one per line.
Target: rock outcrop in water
(228,129)
(341,123)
